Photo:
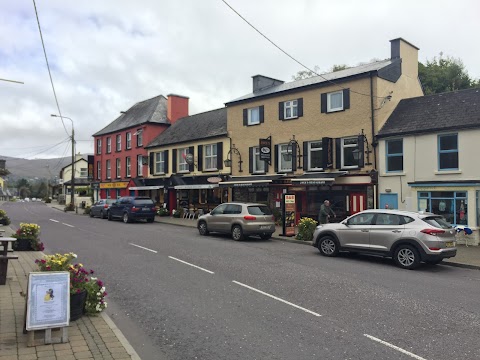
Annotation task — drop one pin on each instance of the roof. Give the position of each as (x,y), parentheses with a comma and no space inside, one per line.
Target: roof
(316,80)
(76,161)
(153,110)
(200,126)
(439,112)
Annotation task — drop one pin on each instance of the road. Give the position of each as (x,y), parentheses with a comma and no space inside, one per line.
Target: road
(177,295)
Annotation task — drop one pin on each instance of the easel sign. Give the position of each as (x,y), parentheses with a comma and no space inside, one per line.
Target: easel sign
(48,300)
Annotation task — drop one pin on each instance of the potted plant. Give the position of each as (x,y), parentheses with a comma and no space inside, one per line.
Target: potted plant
(87,293)
(163,212)
(27,238)
(306,228)
(4,219)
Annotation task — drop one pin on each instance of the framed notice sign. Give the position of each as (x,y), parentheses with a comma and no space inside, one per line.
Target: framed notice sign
(289,215)
(48,300)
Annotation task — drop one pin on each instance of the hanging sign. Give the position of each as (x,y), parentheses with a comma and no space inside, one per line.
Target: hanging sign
(265,146)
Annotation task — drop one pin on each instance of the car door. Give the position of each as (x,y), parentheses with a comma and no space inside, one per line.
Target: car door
(386,229)
(355,231)
(116,208)
(96,208)
(217,218)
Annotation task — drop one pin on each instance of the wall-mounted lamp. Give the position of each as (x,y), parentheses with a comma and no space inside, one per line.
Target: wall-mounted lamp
(138,132)
(362,139)
(288,155)
(228,160)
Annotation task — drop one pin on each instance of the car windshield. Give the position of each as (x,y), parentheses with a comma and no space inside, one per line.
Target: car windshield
(259,210)
(110,201)
(143,201)
(438,222)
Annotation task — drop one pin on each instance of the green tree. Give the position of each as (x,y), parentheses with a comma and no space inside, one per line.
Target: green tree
(305,74)
(24,188)
(444,74)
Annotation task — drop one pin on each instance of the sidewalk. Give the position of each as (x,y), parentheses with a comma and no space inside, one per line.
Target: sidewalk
(89,337)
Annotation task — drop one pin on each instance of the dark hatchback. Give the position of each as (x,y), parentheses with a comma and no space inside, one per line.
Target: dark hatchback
(101,208)
(131,208)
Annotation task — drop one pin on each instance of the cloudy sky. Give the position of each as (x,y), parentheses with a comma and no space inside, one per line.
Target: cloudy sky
(106,55)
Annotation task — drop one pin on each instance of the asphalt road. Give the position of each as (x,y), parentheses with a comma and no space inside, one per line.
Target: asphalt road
(177,295)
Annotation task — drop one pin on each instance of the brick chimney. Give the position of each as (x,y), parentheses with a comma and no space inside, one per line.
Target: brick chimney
(177,107)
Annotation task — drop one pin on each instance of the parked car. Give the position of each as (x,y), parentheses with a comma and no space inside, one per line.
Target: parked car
(130,208)
(239,220)
(101,208)
(406,236)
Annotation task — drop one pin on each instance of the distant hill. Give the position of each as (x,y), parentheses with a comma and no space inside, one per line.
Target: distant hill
(36,168)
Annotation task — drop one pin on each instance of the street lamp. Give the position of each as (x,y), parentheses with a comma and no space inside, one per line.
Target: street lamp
(288,155)
(357,155)
(72,186)
(228,160)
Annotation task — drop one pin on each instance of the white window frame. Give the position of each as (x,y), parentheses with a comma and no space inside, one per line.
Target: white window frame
(258,165)
(291,105)
(139,137)
(160,162)
(99,146)
(212,158)
(118,143)
(139,165)
(329,102)
(250,116)
(109,145)
(284,149)
(83,172)
(118,166)
(182,165)
(99,170)
(343,152)
(128,140)
(109,169)
(312,150)
(128,165)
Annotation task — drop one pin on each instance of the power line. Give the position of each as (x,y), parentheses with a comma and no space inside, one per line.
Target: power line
(44,150)
(291,57)
(13,81)
(48,67)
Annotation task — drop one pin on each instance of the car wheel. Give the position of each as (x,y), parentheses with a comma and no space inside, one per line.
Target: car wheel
(237,233)
(126,218)
(407,257)
(202,228)
(91,213)
(109,216)
(150,220)
(328,246)
(104,216)
(265,236)
(434,262)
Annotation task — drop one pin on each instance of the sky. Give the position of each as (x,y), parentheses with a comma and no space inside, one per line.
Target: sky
(107,55)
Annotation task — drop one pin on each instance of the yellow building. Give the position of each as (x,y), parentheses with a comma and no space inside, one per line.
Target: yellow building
(315,137)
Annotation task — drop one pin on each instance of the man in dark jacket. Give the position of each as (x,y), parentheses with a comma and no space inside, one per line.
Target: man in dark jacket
(325,212)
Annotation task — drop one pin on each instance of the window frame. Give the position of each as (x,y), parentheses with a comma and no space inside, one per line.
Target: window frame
(128,140)
(118,142)
(108,167)
(310,151)
(343,147)
(392,155)
(212,158)
(290,105)
(99,170)
(182,165)
(257,161)
(456,195)
(139,137)
(83,172)
(118,168)
(249,116)
(440,152)
(128,166)
(281,152)
(159,163)
(109,145)
(99,146)
(329,101)
(139,166)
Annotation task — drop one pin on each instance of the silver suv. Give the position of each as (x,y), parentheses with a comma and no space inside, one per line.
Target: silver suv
(406,236)
(239,220)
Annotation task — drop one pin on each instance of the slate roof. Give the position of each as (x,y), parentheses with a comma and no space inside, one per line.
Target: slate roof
(153,110)
(316,80)
(440,112)
(204,125)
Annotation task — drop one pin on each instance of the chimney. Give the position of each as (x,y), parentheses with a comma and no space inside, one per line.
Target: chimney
(408,53)
(261,82)
(78,157)
(177,107)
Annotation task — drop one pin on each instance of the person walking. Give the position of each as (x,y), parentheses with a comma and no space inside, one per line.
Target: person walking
(325,212)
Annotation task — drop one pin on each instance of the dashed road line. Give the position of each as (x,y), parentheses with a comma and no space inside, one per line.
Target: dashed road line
(54,220)
(144,248)
(276,298)
(195,266)
(394,347)
(68,225)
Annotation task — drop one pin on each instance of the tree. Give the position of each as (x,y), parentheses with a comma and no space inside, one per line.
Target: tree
(444,74)
(305,74)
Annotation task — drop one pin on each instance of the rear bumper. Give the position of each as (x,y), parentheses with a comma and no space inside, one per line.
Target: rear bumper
(140,215)
(444,254)
(259,228)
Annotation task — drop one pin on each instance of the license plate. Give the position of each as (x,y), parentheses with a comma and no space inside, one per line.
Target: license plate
(450,244)
(146,209)
(265,227)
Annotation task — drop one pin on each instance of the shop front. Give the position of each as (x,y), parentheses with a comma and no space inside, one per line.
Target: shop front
(113,190)
(152,188)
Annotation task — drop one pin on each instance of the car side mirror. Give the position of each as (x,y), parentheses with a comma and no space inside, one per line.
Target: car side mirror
(345,223)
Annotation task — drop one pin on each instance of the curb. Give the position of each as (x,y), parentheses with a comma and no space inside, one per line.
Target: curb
(123,340)
(460,265)
(300,242)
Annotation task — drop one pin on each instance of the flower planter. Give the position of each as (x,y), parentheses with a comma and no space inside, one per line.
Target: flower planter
(77,305)
(22,245)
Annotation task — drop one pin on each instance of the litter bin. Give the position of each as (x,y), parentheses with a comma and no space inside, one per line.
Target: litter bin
(83,204)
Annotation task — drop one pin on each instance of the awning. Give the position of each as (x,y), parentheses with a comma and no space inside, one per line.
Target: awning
(145,187)
(195,186)
(247,181)
(320,178)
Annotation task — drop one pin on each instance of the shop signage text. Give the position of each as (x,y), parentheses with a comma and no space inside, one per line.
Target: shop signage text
(114,185)
(265,146)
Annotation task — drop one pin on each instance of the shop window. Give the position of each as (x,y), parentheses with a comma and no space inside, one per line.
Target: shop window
(452,205)
(448,152)
(315,151)
(107,193)
(394,152)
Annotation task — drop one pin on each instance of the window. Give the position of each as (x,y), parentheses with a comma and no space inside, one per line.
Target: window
(117,193)
(348,146)
(388,219)
(128,140)
(253,116)
(335,101)
(394,150)
(83,172)
(109,169)
(182,160)
(361,219)
(315,152)
(128,165)
(118,168)
(258,165)
(210,152)
(452,205)
(107,193)
(119,143)
(109,145)
(139,134)
(285,157)
(99,170)
(290,109)
(160,162)
(99,146)
(139,165)
(448,152)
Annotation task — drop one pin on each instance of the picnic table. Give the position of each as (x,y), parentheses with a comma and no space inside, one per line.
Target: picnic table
(4,257)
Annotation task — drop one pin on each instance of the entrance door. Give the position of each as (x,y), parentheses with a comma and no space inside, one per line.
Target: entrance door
(356,202)
(388,201)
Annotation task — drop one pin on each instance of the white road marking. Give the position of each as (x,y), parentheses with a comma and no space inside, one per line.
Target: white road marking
(144,248)
(394,347)
(68,225)
(195,266)
(54,220)
(277,298)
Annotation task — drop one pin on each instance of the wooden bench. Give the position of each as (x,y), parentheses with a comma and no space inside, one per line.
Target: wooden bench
(4,257)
